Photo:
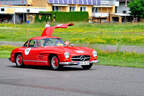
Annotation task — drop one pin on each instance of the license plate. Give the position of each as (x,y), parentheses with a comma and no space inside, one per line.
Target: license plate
(84,63)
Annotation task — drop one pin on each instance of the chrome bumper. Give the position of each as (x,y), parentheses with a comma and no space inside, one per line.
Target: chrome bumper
(77,62)
(9,59)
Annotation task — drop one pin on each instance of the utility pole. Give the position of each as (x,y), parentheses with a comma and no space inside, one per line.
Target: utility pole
(14,18)
(126,2)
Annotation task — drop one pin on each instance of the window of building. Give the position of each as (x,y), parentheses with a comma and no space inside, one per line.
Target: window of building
(28,10)
(72,8)
(83,8)
(94,10)
(124,11)
(55,8)
(2,9)
(116,8)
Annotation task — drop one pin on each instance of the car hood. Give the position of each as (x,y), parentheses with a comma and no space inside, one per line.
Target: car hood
(71,50)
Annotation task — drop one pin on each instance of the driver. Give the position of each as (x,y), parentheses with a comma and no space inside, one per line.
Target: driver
(42,43)
(67,43)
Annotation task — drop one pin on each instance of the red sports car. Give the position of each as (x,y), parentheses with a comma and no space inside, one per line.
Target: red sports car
(51,51)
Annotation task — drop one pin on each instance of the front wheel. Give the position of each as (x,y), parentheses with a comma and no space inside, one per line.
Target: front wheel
(87,67)
(19,60)
(54,63)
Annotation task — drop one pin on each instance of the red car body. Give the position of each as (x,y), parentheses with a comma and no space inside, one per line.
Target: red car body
(35,53)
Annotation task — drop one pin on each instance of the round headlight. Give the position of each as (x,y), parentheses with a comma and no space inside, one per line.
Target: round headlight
(94,53)
(67,55)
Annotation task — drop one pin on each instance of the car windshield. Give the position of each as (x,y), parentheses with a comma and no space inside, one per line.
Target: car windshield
(51,42)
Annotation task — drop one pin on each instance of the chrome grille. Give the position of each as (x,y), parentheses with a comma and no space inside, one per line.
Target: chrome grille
(80,58)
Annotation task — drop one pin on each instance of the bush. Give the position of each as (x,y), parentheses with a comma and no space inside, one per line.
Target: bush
(62,16)
(137,8)
(7,47)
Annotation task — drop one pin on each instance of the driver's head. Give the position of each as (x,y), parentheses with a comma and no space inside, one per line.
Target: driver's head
(42,43)
(67,43)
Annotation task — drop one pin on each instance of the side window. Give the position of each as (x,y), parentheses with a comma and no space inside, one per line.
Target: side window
(34,43)
(26,44)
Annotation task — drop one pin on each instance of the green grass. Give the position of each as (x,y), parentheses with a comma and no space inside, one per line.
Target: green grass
(5,50)
(123,59)
(124,34)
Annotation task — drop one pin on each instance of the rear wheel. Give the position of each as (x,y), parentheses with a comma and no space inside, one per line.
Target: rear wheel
(19,60)
(54,63)
(86,67)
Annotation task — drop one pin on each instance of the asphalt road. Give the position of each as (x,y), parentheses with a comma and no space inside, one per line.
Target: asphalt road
(73,81)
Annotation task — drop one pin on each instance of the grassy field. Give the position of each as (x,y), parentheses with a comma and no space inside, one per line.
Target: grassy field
(123,59)
(5,50)
(124,34)
(114,34)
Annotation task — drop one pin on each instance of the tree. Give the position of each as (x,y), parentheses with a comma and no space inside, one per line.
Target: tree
(137,8)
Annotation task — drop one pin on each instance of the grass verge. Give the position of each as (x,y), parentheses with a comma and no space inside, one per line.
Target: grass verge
(5,50)
(123,59)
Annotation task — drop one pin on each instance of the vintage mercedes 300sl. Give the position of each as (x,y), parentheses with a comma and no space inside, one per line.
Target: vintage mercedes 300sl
(48,50)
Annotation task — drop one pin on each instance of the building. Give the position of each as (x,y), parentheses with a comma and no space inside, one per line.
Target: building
(122,12)
(104,11)
(18,11)
(67,5)
(123,7)
(99,10)
(113,11)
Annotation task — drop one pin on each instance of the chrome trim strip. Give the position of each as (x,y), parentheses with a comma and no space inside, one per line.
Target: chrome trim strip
(34,61)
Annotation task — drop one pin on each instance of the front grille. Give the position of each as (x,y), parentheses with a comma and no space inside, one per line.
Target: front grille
(80,58)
